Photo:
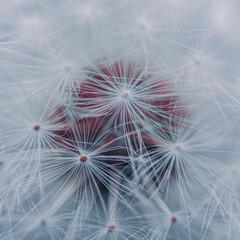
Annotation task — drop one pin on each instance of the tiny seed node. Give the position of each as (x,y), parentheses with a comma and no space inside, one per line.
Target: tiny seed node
(125,94)
(36,127)
(83,158)
(43,222)
(111,227)
(178,147)
(174,219)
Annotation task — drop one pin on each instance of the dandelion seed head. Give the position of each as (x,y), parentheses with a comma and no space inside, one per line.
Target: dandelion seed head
(67,68)
(86,10)
(173,219)
(175,148)
(143,25)
(115,122)
(43,222)
(221,14)
(111,227)
(83,158)
(33,27)
(178,147)
(125,94)
(36,127)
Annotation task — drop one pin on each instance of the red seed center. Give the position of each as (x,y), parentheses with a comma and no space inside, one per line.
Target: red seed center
(83,158)
(43,222)
(178,147)
(111,227)
(125,94)
(174,219)
(36,127)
